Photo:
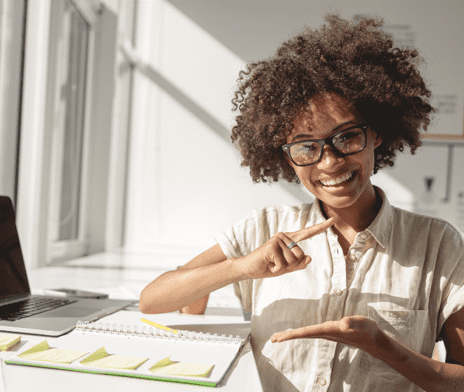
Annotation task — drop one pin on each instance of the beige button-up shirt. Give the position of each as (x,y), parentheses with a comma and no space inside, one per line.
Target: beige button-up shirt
(405,271)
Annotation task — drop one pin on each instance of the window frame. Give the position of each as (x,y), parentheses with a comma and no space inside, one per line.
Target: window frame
(60,250)
(11,43)
(106,151)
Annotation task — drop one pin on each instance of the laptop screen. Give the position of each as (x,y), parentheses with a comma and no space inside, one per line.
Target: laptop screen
(13,278)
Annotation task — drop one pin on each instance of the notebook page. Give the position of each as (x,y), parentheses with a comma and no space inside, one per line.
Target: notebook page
(220,355)
(184,369)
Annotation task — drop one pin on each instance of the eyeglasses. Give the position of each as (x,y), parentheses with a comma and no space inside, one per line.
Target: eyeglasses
(347,142)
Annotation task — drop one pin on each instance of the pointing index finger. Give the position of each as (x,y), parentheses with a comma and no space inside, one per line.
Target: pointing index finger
(309,232)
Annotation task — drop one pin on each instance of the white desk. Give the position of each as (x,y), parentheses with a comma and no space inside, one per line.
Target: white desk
(120,282)
(243,376)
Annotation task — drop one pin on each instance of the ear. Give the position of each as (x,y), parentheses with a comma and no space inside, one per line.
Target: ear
(378,139)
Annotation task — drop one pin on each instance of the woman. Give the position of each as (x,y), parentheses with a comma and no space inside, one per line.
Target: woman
(347,293)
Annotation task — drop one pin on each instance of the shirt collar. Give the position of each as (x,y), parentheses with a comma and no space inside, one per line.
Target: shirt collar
(380,228)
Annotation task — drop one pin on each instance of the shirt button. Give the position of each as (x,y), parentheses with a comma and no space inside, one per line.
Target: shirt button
(322,381)
(364,236)
(352,257)
(338,292)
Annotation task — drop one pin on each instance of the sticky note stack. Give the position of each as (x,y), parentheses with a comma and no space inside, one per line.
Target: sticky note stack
(8,341)
(101,358)
(43,352)
(169,368)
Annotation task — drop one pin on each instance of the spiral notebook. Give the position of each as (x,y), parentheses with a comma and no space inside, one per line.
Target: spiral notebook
(185,357)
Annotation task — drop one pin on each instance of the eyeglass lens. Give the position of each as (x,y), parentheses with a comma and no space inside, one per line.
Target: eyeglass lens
(347,142)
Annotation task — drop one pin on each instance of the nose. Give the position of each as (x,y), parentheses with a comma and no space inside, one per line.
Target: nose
(330,159)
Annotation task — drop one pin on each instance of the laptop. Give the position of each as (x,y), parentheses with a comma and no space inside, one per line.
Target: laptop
(21,312)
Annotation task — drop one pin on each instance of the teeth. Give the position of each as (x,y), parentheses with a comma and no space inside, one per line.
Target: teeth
(337,180)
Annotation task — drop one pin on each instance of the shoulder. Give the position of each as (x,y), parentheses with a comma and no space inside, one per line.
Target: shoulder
(267,221)
(278,217)
(259,226)
(418,221)
(280,211)
(419,228)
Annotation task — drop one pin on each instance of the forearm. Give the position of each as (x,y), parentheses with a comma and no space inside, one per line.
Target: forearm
(176,289)
(426,373)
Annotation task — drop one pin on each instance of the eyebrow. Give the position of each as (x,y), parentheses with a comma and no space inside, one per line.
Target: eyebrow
(341,125)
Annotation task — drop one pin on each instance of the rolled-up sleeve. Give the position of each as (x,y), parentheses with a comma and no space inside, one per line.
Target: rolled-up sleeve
(451,261)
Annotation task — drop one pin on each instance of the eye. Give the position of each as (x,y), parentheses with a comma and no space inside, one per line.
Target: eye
(352,133)
(304,149)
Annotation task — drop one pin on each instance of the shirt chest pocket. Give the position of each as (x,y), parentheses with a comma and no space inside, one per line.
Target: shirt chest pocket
(409,327)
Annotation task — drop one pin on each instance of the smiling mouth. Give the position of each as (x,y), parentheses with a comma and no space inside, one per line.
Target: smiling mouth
(338,180)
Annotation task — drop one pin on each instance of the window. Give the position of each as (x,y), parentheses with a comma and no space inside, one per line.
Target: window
(11,42)
(74,130)
(67,225)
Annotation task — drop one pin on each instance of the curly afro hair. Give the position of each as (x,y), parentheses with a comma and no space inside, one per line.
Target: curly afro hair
(353,59)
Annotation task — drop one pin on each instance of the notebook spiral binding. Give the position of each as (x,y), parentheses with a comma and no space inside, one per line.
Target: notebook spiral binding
(122,329)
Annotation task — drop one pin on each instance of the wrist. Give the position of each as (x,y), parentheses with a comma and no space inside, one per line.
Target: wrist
(236,266)
(387,349)
(426,373)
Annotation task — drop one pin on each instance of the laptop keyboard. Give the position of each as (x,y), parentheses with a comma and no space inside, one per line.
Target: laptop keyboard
(31,306)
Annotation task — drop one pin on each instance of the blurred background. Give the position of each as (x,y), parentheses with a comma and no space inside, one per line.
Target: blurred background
(115,119)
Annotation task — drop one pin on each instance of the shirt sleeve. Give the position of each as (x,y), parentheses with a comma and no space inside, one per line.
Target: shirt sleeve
(241,239)
(451,261)
(250,233)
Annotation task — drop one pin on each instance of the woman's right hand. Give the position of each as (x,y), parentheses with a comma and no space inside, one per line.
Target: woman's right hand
(274,258)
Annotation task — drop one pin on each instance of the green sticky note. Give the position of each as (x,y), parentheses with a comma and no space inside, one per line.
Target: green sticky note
(43,352)
(101,358)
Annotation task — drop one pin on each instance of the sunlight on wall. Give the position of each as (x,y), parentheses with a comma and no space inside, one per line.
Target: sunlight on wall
(185,182)
(205,68)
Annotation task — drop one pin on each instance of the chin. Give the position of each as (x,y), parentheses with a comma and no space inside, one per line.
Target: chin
(337,202)
(338,198)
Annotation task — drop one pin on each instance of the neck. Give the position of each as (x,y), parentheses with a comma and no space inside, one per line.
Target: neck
(356,217)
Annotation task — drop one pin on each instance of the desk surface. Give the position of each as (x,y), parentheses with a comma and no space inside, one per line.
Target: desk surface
(109,274)
(243,376)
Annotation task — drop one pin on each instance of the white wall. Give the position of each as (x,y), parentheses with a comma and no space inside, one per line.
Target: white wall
(185,183)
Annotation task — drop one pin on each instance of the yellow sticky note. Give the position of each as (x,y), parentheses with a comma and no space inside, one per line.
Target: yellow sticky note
(8,341)
(169,368)
(161,364)
(101,358)
(185,369)
(43,352)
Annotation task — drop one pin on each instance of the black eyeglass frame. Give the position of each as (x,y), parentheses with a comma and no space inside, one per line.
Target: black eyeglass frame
(328,141)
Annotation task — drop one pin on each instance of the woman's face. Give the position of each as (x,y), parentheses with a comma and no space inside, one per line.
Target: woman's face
(337,181)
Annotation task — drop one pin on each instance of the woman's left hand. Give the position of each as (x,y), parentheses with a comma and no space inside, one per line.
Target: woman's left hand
(357,331)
